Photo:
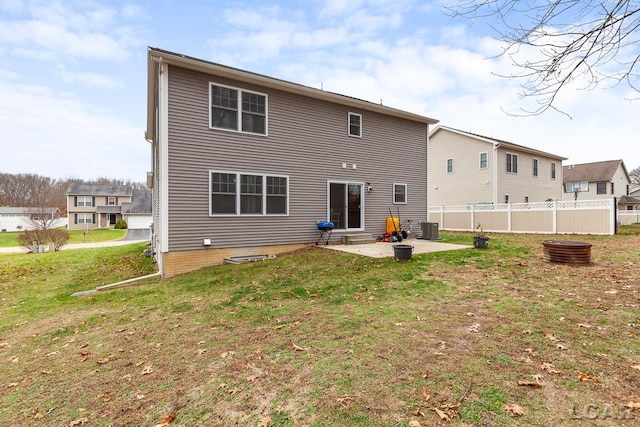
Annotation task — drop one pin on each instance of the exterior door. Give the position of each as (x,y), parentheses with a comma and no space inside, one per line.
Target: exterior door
(345,205)
(112,219)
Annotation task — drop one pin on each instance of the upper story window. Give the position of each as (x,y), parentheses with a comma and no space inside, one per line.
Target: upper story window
(572,187)
(450,165)
(512,163)
(355,125)
(535,167)
(248,194)
(400,193)
(553,170)
(484,160)
(238,110)
(601,188)
(84,201)
(112,201)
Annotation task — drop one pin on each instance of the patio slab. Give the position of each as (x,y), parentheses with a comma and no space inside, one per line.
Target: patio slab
(385,249)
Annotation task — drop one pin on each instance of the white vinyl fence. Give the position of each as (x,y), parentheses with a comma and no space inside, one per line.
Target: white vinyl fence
(628,217)
(555,217)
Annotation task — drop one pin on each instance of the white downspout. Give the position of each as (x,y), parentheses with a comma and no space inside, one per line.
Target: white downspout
(495,173)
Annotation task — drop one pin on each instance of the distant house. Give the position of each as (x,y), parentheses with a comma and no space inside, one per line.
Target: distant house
(91,206)
(597,180)
(245,164)
(467,168)
(21,218)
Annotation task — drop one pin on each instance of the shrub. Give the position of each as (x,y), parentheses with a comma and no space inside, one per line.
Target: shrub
(56,236)
(4,230)
(121,225)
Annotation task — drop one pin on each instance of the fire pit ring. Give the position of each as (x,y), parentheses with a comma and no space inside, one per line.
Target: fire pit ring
(566,252)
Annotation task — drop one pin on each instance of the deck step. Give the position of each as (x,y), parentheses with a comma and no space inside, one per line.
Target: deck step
(357,239)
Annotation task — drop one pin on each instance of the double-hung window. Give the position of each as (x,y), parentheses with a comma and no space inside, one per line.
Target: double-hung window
(400,193)
(572,187)
(535,167)
(553,170)
(601,188)
(355,124)
(84,201)
(235,193)
(84,218)
(512,163)
(484,160)
(450,165)
(112,201)
(238,110)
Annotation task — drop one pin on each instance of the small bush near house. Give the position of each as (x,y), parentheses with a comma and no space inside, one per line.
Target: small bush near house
(121,225)
(4,230)
(56,236)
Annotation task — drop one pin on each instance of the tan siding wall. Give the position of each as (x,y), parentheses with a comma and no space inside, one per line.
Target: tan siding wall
(522,184)
(468,183)
(180,262)
(307,141)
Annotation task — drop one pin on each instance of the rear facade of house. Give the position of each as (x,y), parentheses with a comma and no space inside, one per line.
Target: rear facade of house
(245,165)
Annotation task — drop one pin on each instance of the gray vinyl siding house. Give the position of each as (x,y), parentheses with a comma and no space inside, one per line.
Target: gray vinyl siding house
(245,164)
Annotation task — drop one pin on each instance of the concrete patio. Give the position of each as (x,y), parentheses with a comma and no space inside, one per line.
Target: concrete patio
(385,249)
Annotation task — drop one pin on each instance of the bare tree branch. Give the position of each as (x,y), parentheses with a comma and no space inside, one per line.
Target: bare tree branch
(576,42)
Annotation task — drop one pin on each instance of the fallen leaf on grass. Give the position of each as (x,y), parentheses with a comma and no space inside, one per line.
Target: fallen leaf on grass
(107,359)
(168,419)
(38,416)
(633,406)
(587,377)
(298,348)
(266,421)
(414,423)
(514,409)
(549,368)
(252,378)
(443,415)
(532,384)
(147,370)
(202,351)
(79,422)
(85,356)
(635,367)
(552,337)
(425,393)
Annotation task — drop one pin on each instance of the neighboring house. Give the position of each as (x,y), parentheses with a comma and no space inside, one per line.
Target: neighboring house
(138,213)
(467,168)
(597,180)
(91,206)
(20,218)
(246,165)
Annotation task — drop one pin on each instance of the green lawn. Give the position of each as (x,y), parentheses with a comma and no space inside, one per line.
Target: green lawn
(76,236)
(323,338)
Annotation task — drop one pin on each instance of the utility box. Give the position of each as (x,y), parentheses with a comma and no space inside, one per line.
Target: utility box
(429,230)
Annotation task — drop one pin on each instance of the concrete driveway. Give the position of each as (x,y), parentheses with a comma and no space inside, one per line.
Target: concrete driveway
(385,249)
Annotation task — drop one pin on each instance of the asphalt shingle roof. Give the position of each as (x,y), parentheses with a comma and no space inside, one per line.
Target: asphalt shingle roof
(591,172)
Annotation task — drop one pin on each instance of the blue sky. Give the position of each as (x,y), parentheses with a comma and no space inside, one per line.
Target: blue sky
(73,75)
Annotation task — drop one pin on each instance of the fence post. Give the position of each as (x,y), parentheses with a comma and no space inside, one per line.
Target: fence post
(442,216)
(509,217)
(614,215)
(555,217)
(473,219)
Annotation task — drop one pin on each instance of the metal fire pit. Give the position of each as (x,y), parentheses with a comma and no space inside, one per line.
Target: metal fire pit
(567,252)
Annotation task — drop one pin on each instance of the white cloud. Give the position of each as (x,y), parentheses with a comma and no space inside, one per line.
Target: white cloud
(56,135)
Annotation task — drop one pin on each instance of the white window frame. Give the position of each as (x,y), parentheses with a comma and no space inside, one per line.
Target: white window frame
(535,165)
(605,187)
(82,218)
(359,134)
(406,196)
(486,160)
(238,194)
(240,111)
(84,201)
(450,159)
(509,166)
(571,186)
(110,199)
